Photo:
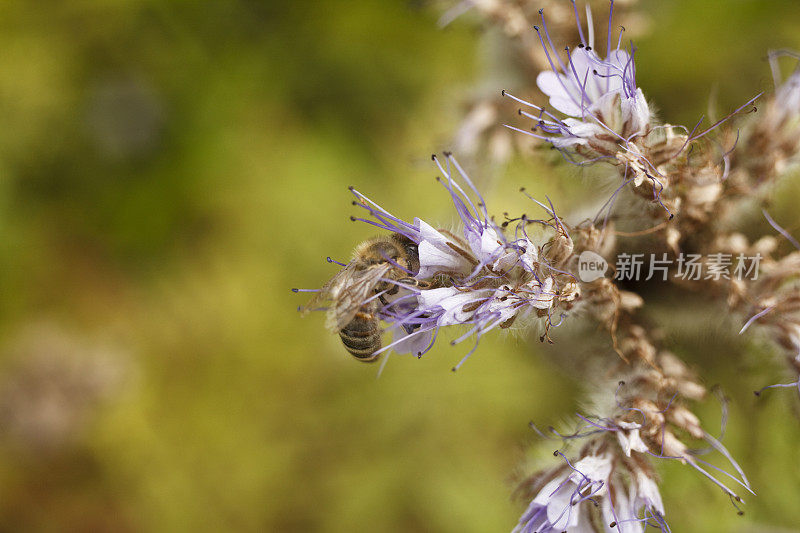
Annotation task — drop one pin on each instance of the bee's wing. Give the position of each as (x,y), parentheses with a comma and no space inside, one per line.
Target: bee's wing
(320,297)
(350,290)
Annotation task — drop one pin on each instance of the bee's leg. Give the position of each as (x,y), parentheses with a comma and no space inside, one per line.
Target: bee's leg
(427,284)
(422,284)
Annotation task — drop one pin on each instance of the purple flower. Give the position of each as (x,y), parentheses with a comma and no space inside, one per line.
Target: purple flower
(634,509)
(599,489)
(557,507)
(476,276)
(605,108)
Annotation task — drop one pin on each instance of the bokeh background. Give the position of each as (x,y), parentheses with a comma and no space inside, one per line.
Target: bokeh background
(169,170)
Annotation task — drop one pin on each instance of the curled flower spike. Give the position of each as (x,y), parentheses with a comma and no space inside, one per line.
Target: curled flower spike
(649,417)
(531,273)
(641,417)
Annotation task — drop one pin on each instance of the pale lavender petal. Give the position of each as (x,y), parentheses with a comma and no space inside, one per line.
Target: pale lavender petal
(414,343)
(636,112)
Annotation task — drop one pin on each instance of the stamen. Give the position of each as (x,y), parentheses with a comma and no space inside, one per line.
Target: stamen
(728,116)
(756,317)
(777,386)
(467,217)
(608,43)
(585,99)
(780,230)
(578,22)
(549,60)
(589,24)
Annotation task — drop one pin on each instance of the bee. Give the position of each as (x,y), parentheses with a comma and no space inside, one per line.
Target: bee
(363,287)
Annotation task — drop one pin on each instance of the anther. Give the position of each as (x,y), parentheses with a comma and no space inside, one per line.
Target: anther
(621,383)
(555,453)
(580,45)
(588,48)
(352,218)
(503,92)
(454,369)
(433,157)
(612,524)
(447,154)
(350,188)
(294,289)
(536,27)
(541,12)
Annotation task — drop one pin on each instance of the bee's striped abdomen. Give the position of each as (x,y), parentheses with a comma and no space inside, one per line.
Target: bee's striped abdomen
(362,337)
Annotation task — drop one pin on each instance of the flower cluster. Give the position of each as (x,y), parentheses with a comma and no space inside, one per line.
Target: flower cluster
(600,488)
(481,129)
(611,486)
(606,112)
(605,117)
(476,276)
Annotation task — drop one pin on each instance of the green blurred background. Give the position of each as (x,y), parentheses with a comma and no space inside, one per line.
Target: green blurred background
(168,170)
